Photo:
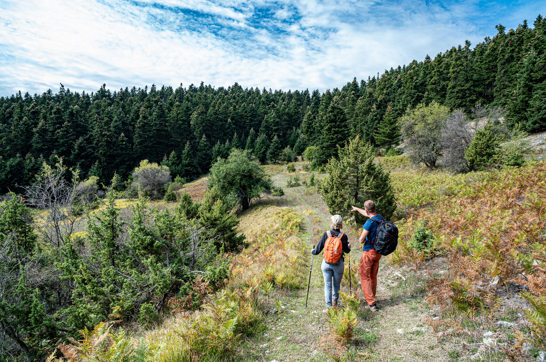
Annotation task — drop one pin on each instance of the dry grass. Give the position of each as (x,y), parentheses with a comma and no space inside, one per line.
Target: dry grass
(196,189)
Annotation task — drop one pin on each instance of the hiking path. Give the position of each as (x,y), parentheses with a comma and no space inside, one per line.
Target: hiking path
(398,331)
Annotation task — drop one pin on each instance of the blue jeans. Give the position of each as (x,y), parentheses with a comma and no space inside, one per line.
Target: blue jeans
(331,272)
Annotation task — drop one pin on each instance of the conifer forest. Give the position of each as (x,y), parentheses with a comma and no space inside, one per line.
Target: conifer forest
(107,132)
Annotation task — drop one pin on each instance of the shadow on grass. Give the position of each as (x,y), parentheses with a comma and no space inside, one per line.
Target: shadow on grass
(271,201)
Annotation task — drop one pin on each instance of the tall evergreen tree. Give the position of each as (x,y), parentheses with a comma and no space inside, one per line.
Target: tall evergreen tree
(261,147)
(388,132)
(274,150)
(334,132)
(355,178)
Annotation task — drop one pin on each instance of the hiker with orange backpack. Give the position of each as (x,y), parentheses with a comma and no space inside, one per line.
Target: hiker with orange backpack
(335,244)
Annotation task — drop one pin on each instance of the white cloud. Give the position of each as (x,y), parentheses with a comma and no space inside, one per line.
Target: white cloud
(84,43)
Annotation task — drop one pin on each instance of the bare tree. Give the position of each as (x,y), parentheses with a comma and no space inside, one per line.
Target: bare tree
(54,194)
(455,139)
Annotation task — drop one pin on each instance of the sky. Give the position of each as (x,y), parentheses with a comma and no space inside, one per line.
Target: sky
(300,44)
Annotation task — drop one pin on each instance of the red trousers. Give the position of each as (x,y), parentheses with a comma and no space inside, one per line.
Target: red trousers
(369,266)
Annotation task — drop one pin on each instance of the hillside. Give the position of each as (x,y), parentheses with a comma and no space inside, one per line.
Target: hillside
(465,295)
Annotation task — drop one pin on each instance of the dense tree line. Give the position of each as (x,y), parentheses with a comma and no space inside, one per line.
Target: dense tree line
(106,132)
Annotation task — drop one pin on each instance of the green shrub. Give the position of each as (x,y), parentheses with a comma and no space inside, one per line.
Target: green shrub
(392,151)
(537,318)
(483,151)
(311,181)
(290,167)
(147,315)
(293,182)
(186,207)
(117,183)
(220,223)
(288,155)
(150,179)
(423,239)
(311,154)
(278,191)
(238,179)
(513,153)
(170,195)
(217,272)
(342,323)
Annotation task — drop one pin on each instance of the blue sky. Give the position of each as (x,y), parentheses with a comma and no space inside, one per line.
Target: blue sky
(305,44)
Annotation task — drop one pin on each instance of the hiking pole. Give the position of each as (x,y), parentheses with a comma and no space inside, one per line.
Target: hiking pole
(350,279)
(308,284)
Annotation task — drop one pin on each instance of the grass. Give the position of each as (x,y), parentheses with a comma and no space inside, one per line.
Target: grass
(485,225)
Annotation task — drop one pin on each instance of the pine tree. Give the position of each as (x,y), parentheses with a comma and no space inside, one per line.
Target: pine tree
(388,132)
(203,155)
(274,151)
(251,140)
(261,148)
(354,178)
(188,165)
(300,146)
(334,132)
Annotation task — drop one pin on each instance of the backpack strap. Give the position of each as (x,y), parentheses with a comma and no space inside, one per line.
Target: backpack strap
(379,222)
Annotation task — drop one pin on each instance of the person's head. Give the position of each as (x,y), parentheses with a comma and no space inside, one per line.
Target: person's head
(370,206)
(337,222)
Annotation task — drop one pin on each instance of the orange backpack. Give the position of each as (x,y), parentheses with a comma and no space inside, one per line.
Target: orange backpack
(333,248)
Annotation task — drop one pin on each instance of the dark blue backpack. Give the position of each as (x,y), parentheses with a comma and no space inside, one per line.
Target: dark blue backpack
(386,237)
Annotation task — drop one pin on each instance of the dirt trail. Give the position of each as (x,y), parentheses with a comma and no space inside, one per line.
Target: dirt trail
(396,332)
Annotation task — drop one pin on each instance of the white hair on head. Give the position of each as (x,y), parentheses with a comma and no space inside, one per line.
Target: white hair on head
(336,221)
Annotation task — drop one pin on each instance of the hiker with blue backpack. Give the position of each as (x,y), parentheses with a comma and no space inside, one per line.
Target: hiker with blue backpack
(335,244)
(379,237)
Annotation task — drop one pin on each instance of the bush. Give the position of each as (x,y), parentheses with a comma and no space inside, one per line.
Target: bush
(147,315)
(483,151)
(423,239)
(117,183)
(310,154)
(170,195)
(86,191)
(150,179)
(277,191)
(290,167)
(187,207)
(293,182)
(216,217)
(288,155)
(513,153)
(238,179)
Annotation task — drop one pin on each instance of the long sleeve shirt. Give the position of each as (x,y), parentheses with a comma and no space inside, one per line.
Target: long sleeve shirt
(334,232)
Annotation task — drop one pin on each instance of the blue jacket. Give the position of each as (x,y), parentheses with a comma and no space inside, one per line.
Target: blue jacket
(371,226)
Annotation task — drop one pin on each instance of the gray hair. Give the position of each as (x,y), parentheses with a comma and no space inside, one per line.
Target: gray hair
(337,221)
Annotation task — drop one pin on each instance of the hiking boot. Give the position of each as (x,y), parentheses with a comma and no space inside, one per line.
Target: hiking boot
(373,307)
(334,303)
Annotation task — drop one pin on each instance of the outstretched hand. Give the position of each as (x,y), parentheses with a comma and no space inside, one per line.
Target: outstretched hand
(362,211)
